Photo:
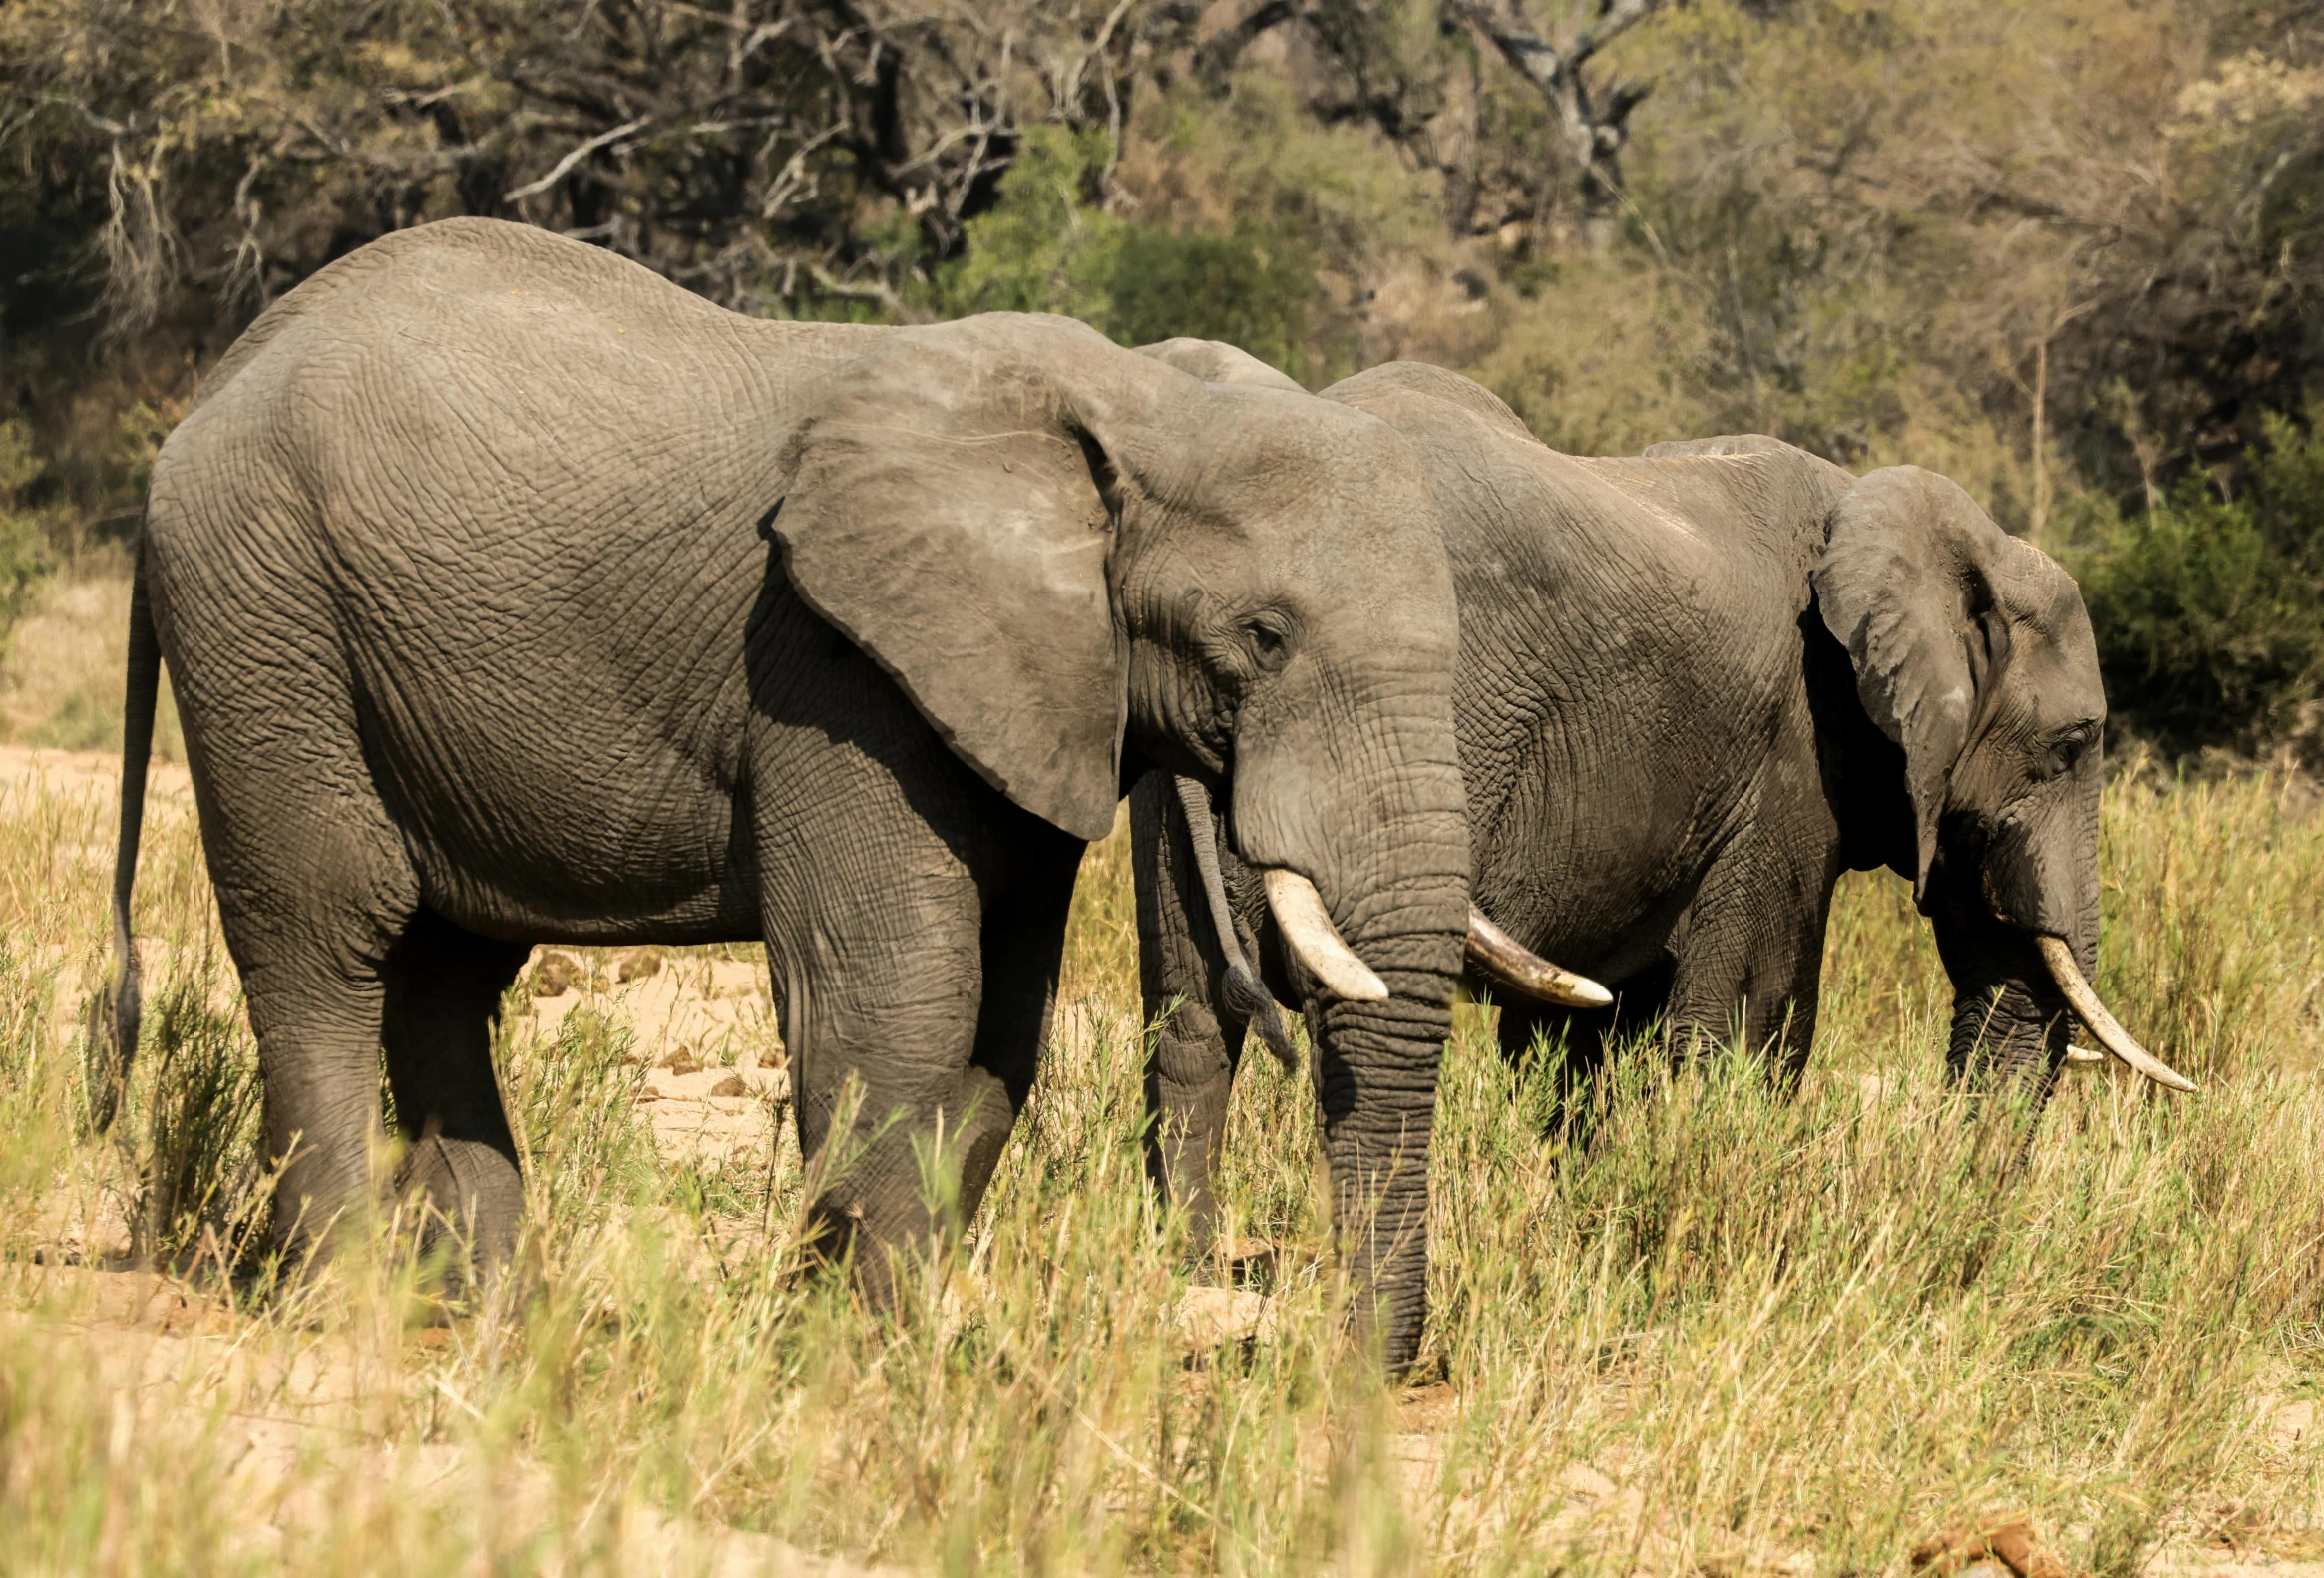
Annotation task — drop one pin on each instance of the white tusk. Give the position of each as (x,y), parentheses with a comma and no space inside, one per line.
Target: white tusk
(1307,926)
(1509,962)
(2093,1015)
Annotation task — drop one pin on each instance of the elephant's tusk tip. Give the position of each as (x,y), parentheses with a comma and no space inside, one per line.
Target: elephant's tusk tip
(1587,993)
(1499,956)
(2058,955)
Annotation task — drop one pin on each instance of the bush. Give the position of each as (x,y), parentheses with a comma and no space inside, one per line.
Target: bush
(1250,290)
(24,540)
(1044,249)
(2210,607)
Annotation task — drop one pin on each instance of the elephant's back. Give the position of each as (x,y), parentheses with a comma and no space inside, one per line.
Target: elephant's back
(452,304)
(511,487)
(495,387)
(1772,499)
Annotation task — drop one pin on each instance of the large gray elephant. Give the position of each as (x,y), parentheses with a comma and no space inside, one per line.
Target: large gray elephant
(514,595)
(1693,688)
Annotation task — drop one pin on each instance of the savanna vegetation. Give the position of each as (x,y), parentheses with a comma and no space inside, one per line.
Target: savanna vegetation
(2066,253)
(1731,1334)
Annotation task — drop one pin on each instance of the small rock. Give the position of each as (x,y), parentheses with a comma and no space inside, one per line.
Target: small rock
(1580,1479)
(681,1061)
(555,975)
(1214,1317)
(1996,1550)
(731,1085)
(641,963)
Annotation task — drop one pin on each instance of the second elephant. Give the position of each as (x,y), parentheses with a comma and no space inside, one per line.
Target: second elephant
(1693,687)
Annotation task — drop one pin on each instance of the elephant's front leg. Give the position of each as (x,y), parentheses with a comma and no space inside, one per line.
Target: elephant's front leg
(914,922)
(1023,948)
(1750,953)
(878,1025)
(1193,1044)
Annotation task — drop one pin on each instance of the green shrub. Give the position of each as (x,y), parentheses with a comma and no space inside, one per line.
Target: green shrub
(1046,248)
(24,540)
(2210,607)
(199,1173)
(1252,289)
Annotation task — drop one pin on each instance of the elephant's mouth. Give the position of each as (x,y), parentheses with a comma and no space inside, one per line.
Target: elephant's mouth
(1308,930)
(2057,955)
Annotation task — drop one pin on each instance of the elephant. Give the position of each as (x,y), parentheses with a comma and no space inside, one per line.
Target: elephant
(1693,687)
(514,595)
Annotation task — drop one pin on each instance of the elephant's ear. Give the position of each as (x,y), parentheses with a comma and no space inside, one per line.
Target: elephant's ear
(1217,362)
(1907,582)
(951,510)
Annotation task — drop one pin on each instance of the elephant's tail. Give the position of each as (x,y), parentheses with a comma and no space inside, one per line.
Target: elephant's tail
(113,1026)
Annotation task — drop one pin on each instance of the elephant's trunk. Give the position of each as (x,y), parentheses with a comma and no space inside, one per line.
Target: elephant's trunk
(2010,1024)
(2022,943)
(1377,1097)
(1356,814)
(2007,1033)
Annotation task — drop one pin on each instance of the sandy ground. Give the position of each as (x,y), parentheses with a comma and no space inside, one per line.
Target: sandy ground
(316,1432)
(704,1024)
(95,772)
(714,1090)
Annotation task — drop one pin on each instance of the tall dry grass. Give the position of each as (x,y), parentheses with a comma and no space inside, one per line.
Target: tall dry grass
(1735,1333)
(62,664)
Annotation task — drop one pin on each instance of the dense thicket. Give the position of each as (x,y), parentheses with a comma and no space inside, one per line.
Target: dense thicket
(2068,252)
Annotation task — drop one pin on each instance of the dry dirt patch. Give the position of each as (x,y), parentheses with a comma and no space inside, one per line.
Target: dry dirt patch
(307,1421)
(89,772)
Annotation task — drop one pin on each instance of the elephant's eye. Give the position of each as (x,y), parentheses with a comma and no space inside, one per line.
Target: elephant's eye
(1267,641)
(2066,755)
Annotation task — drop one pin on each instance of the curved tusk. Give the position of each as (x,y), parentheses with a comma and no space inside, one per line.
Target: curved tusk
(1503,958)
(2093,1014)
(1307,926)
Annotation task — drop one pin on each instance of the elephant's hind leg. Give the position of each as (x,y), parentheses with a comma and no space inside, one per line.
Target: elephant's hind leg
(313,878)
(444,988)
(313,888)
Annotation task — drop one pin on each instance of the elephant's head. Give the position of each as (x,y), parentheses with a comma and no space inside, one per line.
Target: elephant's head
(1073,558)
(1973,654)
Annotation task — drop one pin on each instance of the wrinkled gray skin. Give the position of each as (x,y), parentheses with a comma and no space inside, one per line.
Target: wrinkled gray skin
(512,594)
(1693,688)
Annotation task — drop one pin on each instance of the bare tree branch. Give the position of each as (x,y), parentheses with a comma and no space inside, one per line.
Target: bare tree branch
(1595,129)
(574,156)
